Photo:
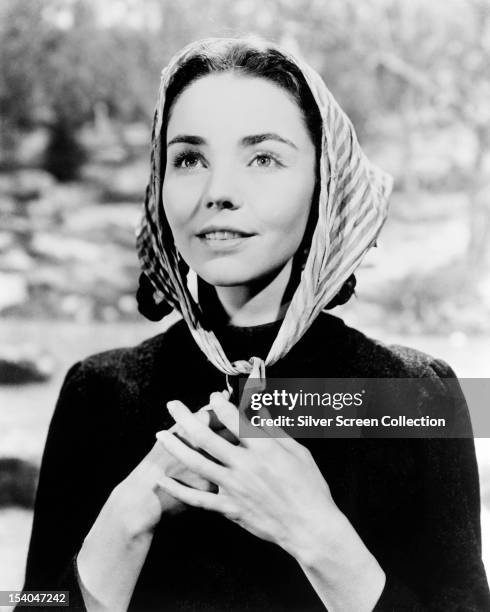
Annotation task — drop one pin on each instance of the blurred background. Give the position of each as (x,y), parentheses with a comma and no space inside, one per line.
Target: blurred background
(78,82)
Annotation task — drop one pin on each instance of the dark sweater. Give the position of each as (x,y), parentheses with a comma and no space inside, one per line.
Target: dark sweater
(414,502)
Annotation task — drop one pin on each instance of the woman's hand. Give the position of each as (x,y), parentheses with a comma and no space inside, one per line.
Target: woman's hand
(116,546)
(271,486)
(140,501)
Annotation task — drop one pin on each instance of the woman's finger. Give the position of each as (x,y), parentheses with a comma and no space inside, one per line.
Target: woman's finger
(237,423)
(190,496)
(192,458)
(252,436)
(276,432)
(205,415)
(201,436)
(226,412)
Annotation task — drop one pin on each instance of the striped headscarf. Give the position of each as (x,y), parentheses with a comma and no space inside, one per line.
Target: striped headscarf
(352,207)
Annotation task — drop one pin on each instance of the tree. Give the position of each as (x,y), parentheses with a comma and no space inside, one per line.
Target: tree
(20,50)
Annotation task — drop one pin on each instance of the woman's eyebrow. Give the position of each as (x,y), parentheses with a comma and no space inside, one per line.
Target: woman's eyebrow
(187,139)
(248,141)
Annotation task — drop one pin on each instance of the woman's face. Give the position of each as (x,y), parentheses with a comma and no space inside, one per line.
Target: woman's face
(239,178)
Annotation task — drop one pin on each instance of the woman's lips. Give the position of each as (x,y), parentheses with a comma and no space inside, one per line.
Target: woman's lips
(224,239)
(223,235)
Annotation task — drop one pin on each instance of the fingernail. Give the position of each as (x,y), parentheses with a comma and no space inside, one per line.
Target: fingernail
(171,406)
(162,435)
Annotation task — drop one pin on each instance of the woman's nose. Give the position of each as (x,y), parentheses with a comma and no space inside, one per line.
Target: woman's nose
(220,203)
(220,191)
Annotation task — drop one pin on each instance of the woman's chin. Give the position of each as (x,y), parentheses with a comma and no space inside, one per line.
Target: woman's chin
(227,276)
(234,273)
(227,280)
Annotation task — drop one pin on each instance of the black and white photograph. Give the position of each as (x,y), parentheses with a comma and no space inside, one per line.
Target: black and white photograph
(245,305)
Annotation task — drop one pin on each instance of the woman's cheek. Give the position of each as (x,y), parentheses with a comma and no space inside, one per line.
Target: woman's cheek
(286,206)
(299,200)
(180,198)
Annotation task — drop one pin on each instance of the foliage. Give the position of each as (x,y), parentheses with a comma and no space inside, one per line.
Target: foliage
(440,299)
(377,56)
(52,73)
(412,75)
(20,45)
(64,155)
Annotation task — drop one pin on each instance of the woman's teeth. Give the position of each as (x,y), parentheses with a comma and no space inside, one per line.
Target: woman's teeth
(223,235)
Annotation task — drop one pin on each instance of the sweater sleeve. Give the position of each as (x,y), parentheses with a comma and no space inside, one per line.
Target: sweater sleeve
(452,575)
(71,488)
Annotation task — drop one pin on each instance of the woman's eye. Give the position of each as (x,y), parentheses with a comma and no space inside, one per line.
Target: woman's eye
(188,161)
(264,160)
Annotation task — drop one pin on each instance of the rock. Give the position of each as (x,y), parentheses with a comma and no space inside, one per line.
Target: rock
(17,224)
(16,260)
(108,314)
(32,146)
(64,200)
(7,206)
(6,241)
(24,185)
(18,482)
(114,154)
(78,307)
(13,290)
(62,248)
(25,364)
(108,224)
(127,304)
(123,183)
(51,276)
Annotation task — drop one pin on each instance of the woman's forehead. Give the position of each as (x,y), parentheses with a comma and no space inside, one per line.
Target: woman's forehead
(235,105)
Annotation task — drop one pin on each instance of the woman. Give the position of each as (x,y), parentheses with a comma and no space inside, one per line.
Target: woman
(260,206)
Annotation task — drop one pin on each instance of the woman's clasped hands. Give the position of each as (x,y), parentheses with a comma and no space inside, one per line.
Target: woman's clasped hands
(269,483)
(264,481)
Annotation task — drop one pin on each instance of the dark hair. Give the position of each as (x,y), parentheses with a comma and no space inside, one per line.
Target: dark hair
(257,59)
